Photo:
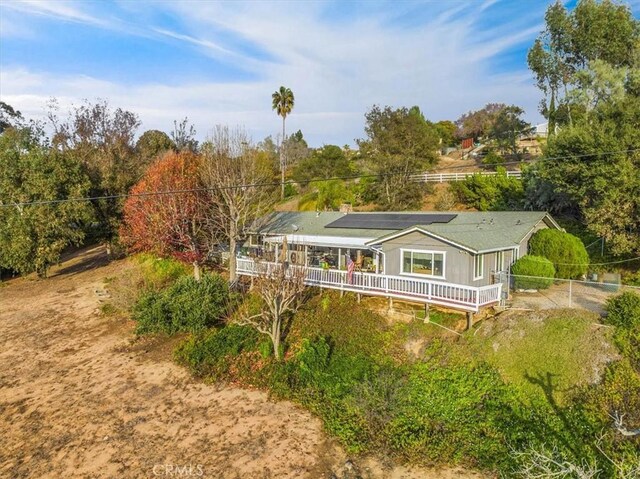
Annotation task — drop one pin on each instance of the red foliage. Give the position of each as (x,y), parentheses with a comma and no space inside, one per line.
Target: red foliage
(171,224)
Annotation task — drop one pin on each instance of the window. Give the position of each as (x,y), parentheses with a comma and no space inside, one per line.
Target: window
(478,266)
(499,261)
(426,263)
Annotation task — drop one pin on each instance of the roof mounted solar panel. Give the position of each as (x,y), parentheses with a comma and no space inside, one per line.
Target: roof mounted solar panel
(388,221)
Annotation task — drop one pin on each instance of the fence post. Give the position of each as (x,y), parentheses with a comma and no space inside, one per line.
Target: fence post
(570,294)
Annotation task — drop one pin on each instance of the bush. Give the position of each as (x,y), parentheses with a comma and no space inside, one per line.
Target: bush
(531,265)
(210,354)
(158,273)
(188,305)
(565,251)
(623,310)
(492,159)
(490,193)
(453,414)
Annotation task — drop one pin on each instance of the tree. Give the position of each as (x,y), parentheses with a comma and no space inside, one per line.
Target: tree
(507,128)
(280,291)
(184,136)
(592,161)
(477,124)
(101,139)
(571,41)
(400,143)
(9,117)
(32,237)
(296,149)
(237,176)
(153,143)
(171,224)
(447,133)
(325,162)
(283,102)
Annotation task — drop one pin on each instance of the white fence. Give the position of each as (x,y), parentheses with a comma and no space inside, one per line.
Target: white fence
(459,176)
(457,296)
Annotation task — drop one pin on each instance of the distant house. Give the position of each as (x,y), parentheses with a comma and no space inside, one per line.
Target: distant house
(444,258)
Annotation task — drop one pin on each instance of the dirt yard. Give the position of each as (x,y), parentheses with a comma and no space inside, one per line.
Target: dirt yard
(79,397)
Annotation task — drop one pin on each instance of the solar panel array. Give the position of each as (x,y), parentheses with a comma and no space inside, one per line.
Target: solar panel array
(388,221)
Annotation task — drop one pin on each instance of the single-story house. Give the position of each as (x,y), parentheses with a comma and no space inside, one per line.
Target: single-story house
(446,258)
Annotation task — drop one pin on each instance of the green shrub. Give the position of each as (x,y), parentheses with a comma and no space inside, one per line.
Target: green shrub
(530,265)
(623,310)
(453,414)
(565,251)
(490,193)
(492,159)
(211,354)
(160,272)
(350,327)
(188,305)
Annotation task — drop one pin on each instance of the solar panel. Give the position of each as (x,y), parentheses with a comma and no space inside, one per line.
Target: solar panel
(388,221)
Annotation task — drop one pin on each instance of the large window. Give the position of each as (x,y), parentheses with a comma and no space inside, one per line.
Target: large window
(427,263)
(478,266)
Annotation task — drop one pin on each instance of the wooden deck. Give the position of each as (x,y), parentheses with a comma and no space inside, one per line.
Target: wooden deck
(457,296)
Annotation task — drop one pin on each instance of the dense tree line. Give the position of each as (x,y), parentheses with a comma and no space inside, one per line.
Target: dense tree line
(587,64)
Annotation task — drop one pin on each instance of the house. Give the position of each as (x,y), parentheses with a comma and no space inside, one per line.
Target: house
(443,258)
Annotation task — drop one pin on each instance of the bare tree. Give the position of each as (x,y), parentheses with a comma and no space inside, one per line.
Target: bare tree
(238,183)
(281,290)
(549,464)
(620,427)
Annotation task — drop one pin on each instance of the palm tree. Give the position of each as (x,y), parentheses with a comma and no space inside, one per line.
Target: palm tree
(283,102)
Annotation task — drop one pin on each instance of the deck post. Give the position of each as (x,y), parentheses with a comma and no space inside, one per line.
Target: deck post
(426,312)
(359,297)
(390,303)
(469,320)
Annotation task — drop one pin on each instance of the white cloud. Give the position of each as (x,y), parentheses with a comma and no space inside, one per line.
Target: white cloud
(63,10)
(337,69)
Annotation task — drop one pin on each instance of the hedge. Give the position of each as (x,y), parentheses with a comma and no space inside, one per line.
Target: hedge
(565,251)
(531,265)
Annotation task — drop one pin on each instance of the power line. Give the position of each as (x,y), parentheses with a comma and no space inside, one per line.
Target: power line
(590,264)
(305,182)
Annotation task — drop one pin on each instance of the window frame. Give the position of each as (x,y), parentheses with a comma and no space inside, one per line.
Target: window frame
(422,275)
(475,266)
(500,266)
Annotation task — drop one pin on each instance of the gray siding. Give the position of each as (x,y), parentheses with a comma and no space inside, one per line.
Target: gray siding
(524,244)
(459,264)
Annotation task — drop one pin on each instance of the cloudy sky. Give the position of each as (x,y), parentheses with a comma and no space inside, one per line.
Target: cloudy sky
(219,62)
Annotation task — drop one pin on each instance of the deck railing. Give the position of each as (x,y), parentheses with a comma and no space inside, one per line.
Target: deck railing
(458,296)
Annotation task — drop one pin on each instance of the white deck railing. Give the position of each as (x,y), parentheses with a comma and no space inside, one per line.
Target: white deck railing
(467,298)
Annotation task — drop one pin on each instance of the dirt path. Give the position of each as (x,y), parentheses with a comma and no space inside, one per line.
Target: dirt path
(79,398)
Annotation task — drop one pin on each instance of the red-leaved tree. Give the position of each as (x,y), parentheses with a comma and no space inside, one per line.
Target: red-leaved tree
(173,223)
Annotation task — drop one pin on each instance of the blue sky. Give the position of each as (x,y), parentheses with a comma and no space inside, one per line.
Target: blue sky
(219,62)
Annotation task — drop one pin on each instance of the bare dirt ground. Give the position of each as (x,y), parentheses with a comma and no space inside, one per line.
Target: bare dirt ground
(589,296)
(80,398)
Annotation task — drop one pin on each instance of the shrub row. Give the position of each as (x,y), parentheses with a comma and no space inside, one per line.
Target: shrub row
(443,410)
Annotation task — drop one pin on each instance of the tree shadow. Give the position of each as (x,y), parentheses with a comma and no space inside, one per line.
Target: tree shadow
(82,260)
(570,435)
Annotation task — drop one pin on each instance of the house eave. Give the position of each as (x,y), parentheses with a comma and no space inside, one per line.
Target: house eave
(413,229)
